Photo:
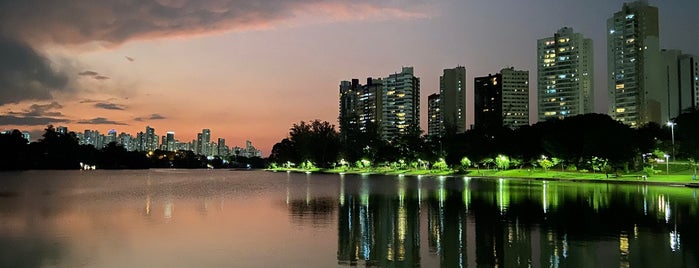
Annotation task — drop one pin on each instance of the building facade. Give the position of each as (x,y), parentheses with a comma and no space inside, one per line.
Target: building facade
(391,104)
(565,75)
(633,63)
(502,99)
(452,92)
(400,103)
(434,118)
(515,98)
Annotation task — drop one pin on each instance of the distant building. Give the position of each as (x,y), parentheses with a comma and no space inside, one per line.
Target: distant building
(487,91)
(62,130)
(689,81)
(565,75)
(400,103)
(111,136)
(151,139)
(635,83)
(391,104)
(170,142)
(452,101)
(515,98)
(502,99)
(434,119)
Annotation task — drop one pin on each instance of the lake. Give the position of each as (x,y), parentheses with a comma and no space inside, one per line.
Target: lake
(222,218)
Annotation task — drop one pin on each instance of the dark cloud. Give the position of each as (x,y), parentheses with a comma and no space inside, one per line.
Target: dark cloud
(109,106)
(150,117)
(88,73)
(25,74)
(100,121)
(30,120)
(40,110)
(93,74)
(117,21)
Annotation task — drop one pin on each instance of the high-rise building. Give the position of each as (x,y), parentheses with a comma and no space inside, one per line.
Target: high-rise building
(222,149)
(633,64)
(689,81)
(349,103)
(487,92)
(434,119)
(360,104)
(62,130)
(391,104)
(452,92)
(565,75)
(400,103)
(151,139)
(111,136)
(502,99)
(170,142)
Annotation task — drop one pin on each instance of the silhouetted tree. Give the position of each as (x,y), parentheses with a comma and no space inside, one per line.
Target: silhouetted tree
(14,148)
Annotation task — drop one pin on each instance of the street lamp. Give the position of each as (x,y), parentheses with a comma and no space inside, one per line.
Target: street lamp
(672,131)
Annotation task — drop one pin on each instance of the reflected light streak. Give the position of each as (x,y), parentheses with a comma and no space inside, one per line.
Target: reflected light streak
(544,199)
(148,204)
(674,240)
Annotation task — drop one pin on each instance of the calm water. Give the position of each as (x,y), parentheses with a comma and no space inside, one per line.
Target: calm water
(204,218)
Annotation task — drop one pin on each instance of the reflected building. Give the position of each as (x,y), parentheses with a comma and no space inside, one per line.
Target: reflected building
(378,229)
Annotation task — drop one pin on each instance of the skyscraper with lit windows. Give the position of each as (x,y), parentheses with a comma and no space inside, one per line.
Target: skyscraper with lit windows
(565,75)
(452,92)
(434,118)
(633,62)
(400,103)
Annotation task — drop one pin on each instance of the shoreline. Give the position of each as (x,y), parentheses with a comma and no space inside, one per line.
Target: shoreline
(688,184)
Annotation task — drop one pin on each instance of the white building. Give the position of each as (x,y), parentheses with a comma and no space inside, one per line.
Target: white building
(565,75)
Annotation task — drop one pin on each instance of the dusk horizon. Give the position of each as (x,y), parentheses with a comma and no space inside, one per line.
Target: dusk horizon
(249,71)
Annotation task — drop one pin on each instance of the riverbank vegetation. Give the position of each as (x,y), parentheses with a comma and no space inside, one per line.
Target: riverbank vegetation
(585,146)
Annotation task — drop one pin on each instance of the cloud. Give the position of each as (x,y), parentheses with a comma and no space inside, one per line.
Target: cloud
(117,21)
(25,74)
(40,110)
(88,73)
(109,106)
(93,74)
(100,121)
(150,117)
(30,120)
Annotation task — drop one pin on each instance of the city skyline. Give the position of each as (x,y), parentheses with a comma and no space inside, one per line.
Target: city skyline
(253,71)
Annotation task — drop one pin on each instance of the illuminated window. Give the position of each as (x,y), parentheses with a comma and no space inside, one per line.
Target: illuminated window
(620,110)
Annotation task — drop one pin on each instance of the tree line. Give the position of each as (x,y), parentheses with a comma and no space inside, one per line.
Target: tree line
(583,142)
(57,150)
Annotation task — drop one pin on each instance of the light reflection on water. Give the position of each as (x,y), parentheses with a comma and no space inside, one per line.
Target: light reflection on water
(205,218)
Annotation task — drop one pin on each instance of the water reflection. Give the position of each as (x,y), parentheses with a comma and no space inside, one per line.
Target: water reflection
(514,223)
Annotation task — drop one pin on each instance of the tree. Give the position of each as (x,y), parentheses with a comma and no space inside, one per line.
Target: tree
(502,162)
(14,147)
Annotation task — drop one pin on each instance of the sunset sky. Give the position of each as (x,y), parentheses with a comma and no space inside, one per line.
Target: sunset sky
(248,70)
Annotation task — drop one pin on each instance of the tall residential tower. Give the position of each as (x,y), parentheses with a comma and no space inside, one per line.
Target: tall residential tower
(633,64)
(452,96)
(565,75)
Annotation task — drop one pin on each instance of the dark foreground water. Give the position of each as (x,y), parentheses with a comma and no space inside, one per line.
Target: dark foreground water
(204,218)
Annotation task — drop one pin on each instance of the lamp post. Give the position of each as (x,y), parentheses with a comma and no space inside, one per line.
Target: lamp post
(672,131)
(667,164)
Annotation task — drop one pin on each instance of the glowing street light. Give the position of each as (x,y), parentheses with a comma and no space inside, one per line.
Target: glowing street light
(672,131)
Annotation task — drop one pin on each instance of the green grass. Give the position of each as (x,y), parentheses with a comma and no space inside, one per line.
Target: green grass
(679,173)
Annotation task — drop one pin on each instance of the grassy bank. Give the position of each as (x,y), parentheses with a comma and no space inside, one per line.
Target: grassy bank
(676,174)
